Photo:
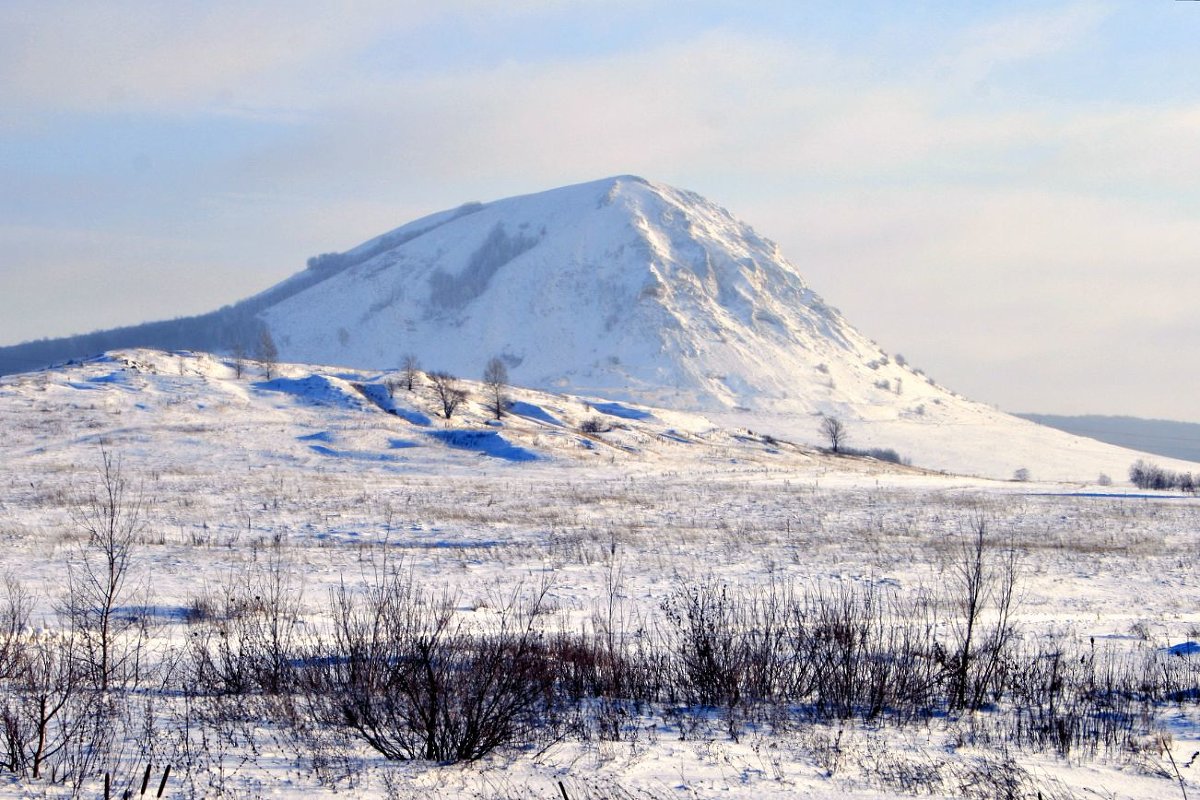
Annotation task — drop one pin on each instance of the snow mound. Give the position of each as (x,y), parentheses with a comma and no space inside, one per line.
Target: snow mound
(379,395)
(621,411)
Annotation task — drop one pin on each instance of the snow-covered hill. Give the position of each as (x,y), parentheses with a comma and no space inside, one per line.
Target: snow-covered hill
(620,287)
(183,407)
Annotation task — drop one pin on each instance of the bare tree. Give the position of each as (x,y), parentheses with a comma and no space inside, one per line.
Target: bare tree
(495,379)
(239,360)
(982,580)
(409,368)
(834,431)
(98,579)
(448,392)
(267,353)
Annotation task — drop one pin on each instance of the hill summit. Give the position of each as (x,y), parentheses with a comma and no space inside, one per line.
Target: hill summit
(620,287)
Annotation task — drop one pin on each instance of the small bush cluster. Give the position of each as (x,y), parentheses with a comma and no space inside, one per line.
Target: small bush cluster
(594,425)
(1145,475)
(878,453)
(402,674)
(405,672)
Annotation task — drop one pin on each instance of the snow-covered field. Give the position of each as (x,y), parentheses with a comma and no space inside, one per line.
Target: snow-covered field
(307,480)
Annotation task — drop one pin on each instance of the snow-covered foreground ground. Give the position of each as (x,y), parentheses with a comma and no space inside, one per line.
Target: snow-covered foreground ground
(307,480)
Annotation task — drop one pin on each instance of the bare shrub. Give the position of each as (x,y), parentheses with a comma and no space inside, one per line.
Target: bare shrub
(708,634)
(984,580)
(856,653)
(15,609)
(46,707)
(1083,703)
(410,680)
(248,643)
(594,425)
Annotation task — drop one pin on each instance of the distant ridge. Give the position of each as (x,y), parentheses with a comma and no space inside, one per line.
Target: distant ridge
(1159,436)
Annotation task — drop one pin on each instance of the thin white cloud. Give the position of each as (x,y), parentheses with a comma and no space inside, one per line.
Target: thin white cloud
(215,56)
(1018,37)
(183,57)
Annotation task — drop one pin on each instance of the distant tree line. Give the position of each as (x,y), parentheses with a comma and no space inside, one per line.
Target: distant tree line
(226,329)
(499,248)
(229,328)
(331,263)
(1145,475)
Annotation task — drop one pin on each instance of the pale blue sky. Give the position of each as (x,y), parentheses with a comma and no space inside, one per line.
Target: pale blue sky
(1004,192)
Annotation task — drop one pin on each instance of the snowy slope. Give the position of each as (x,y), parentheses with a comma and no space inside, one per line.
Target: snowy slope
(332,418)
(622,289)
(196,408)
